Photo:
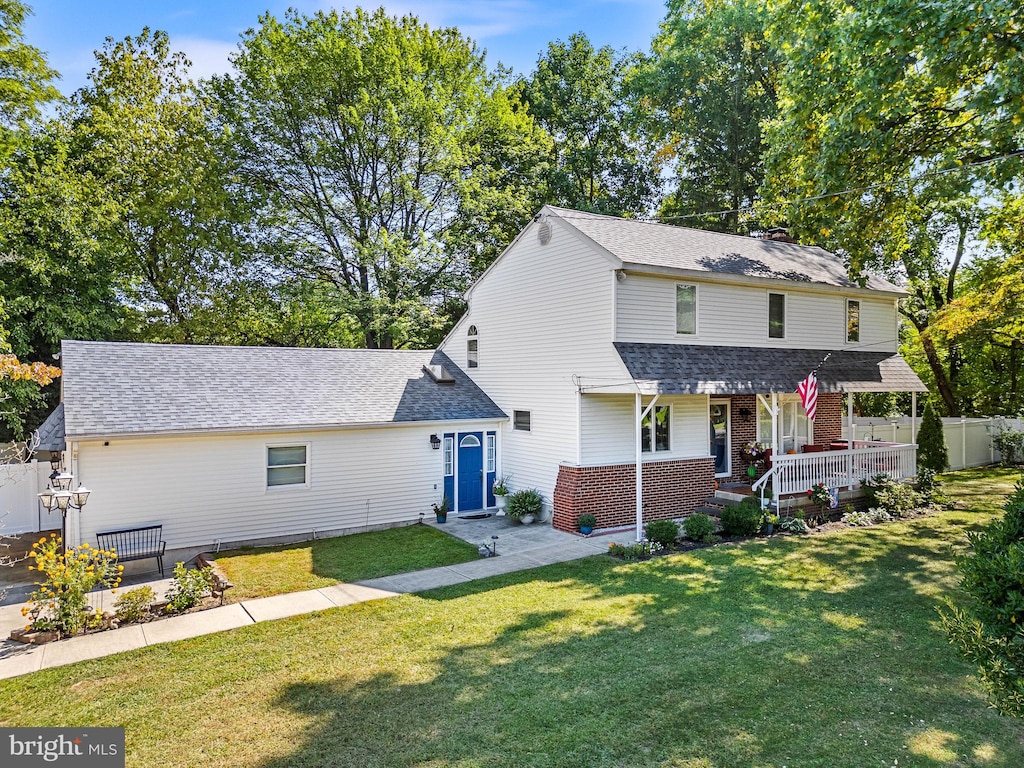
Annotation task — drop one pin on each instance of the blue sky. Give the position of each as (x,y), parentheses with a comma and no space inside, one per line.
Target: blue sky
(513,32)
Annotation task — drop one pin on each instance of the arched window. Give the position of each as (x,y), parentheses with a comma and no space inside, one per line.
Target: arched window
(471,348)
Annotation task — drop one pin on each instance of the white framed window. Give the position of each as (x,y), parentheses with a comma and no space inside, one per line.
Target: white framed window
(472,348)
(852,320)
(287,465)
(469,441)
(795,429)
(686,309)
(521,421)
(776,315)
(490,453)
(655,432)
(449,456)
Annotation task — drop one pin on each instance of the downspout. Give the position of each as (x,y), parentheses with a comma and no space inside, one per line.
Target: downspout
(913,417)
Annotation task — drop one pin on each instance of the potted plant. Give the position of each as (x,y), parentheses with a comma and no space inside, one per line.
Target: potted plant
(770,521)
(753,453)
(586,523)
(500,491)
(441,510)
(525,505)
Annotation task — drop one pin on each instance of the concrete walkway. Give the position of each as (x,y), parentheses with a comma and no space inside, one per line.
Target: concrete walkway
(519,548)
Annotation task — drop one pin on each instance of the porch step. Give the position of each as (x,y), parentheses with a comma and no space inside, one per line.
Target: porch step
(709,511)
(729,497)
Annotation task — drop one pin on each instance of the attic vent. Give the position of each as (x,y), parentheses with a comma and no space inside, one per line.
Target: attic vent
(439,374)
(544,232)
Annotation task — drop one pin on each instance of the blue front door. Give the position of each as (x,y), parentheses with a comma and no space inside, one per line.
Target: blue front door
(471,472)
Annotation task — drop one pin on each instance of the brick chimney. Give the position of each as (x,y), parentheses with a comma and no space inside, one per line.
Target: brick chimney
(780,234)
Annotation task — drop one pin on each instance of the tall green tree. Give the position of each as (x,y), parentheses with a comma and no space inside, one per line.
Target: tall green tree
(874,97)
(25,78)
(389,162)
(598,161)
(173,228)
(708,88)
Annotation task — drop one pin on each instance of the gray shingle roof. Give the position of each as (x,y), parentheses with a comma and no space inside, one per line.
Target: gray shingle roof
(650,244)
(678,369)
(124,389)
(51,432)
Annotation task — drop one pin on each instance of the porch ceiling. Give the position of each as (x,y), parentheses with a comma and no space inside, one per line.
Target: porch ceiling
(690,369)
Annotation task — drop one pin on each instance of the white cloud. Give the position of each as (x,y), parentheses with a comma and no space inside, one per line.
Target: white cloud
(478,20)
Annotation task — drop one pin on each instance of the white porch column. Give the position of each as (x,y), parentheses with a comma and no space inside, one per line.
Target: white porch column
(850,426)
(638,414)
(913,417)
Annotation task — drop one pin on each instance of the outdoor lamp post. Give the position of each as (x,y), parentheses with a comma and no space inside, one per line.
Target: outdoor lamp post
(63,498)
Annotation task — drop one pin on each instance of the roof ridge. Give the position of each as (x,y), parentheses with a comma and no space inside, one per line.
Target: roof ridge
(745,238)
(174,345)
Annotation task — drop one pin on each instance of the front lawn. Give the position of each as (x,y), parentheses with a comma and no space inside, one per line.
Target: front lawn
(265,571)
(797,651)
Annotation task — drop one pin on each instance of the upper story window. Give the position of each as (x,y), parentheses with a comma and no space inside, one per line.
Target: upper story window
(472,360)
(776,315)
(852,320)
(521,420)
(286,465)
(686,309)
(654,430)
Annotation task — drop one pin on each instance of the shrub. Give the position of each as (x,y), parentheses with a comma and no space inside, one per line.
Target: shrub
(868,517)
(134,604)
(525,502)
(793,525)
(188,587)
(699,527)
(988,627)
(586,520)
(662,531)
(931,441)
(929,487)
(894,497)
(1010,444)
(743,519)
(641,550)
(60,604)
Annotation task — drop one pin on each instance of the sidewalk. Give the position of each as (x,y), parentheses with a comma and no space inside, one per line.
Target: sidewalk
(519,548)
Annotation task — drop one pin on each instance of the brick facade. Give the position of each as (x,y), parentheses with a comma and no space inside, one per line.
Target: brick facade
(671,489)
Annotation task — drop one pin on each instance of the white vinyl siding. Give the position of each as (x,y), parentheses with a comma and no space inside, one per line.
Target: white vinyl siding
(206,488)
(736,315)
(547,313)
(608,432)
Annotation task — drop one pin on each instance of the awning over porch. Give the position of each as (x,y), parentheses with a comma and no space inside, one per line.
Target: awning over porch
(691,369)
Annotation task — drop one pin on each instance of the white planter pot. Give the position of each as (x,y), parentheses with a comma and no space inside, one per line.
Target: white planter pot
(527,519)
(500,502)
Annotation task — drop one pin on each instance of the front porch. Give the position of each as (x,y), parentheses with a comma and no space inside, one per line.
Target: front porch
(660,450)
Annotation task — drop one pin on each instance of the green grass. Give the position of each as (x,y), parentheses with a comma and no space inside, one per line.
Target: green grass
(817,651)
(313,564)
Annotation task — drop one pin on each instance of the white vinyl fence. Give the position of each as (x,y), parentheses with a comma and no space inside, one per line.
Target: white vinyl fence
(20,510)
(969,440)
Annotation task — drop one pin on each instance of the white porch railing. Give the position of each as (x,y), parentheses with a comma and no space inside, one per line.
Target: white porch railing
(797,472)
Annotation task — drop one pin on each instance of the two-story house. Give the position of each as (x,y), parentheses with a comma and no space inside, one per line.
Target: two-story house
(618,366)
(624,348)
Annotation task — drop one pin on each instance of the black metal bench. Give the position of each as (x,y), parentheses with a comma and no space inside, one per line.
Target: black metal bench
(135,544)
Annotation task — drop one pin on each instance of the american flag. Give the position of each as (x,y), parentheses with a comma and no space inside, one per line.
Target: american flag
(808,391)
